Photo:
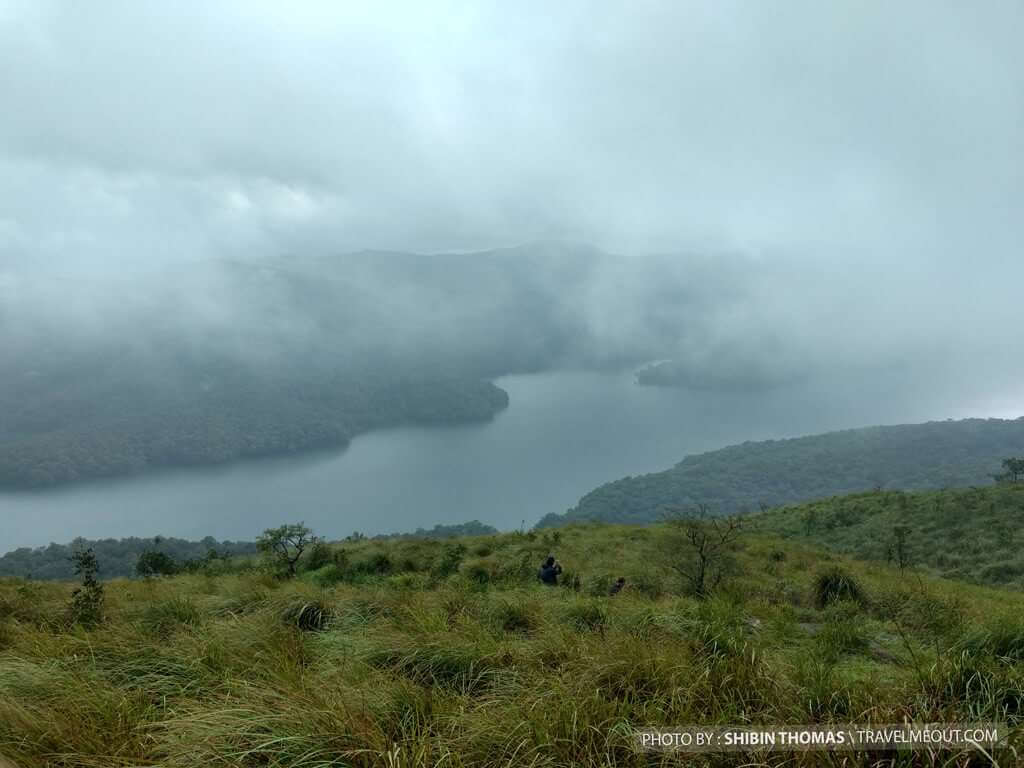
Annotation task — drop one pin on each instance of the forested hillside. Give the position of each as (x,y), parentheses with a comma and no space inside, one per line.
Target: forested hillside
(232,360)
(745,477)
(121,414)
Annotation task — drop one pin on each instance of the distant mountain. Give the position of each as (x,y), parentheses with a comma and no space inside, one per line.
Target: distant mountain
(744,477)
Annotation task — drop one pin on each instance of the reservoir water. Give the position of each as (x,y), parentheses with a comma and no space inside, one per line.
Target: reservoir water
(563,434)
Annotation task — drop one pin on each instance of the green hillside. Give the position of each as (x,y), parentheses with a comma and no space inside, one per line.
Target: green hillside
(939,454)
(975,534)
(416,652)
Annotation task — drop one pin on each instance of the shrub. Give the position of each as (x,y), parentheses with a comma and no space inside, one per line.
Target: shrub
(319,556)
(478,572)
(87,600)
(306,615)
(329,575)
(835,584)
(450,561)
(153,563)
(377,564)
(283,546)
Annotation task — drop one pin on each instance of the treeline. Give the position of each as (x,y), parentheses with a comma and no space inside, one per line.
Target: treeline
(130,557)
(941,454)
(471,528)
(117,558)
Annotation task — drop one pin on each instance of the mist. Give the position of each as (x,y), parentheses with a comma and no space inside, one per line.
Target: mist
(764,194)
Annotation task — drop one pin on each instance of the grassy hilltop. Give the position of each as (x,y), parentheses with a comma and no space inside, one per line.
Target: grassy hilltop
(972,534)
(410,652)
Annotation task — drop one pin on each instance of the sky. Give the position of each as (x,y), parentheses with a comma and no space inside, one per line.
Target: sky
(865,159)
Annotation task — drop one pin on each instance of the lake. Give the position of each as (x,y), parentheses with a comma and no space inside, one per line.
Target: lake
(563,434)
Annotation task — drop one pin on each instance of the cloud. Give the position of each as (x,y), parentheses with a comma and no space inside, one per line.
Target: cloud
(866,159)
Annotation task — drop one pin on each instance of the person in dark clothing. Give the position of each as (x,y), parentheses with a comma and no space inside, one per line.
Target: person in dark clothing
(549,571)
(617,586)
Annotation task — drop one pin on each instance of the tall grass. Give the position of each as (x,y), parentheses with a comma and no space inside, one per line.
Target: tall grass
(235,669)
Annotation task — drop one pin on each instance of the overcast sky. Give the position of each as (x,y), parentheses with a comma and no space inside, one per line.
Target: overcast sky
(846,130)
(878,144)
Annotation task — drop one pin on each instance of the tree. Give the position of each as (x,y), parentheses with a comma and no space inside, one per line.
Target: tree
(153,563)
(87,600)
(1014,471)
(709,541)
(902,555)
(285,544)
(810,520)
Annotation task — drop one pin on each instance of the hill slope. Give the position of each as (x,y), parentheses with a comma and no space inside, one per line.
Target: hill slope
(972,534)
(455,655)
(938,454)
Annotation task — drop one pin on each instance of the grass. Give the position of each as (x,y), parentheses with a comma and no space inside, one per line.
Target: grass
(419,663)
(967,534)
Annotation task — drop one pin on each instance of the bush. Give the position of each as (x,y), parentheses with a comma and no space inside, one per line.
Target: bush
(87,600)
(319,556)
(329,575)
(377,564)
(835,584)
(306,615)
(450,561)
(478,572)
(153,563)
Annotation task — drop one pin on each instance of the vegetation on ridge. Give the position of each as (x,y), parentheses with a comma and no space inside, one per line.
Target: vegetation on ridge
(939,454)
(971,534)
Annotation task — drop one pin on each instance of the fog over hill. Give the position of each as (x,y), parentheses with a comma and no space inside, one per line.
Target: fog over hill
(314,213)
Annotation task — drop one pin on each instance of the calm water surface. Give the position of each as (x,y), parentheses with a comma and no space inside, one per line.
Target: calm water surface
(563,434)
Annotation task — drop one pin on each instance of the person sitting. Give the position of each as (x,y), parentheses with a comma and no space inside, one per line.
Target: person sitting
(617,586)
(549,571)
